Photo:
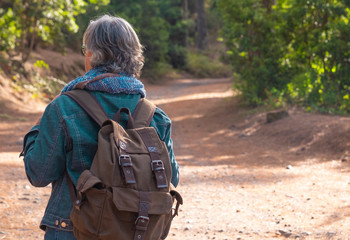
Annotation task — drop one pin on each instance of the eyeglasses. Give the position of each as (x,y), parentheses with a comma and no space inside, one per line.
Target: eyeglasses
(83,49)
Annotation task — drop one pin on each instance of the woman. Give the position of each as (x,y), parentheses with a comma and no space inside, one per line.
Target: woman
(66,137)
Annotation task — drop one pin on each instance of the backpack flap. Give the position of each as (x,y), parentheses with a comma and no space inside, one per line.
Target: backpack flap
(134,141)
(86,181)
(127,199)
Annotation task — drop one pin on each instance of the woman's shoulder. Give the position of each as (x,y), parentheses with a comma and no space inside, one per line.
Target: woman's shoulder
(161,117)
(162,123)
(109,102)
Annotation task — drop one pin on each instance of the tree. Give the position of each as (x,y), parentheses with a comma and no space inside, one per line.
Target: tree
(295,49)
(29,21)
(177,26)
(185,17)
(202,41)
(160,27)
(319,36)
(255,46)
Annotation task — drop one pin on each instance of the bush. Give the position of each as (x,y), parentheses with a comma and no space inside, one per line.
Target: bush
(201,66)
(158,72)
(178,56)
(298,48)
(255,46)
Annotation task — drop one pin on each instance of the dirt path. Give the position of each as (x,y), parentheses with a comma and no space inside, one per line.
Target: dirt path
(241,178)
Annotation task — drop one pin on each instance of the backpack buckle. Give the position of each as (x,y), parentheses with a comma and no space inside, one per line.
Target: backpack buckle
(159,172)
(126,166)
(142,223)
(125,161)
(157,165)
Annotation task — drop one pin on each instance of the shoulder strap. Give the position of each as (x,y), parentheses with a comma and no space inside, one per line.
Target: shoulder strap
(82,84)
(143,113)
(89,103)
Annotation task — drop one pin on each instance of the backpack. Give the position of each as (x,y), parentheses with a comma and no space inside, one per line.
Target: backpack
(127,193)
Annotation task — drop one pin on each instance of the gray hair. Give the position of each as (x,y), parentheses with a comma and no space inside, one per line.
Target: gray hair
(114,46)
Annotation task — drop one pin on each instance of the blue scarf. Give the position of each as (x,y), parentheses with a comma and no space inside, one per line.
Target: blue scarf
(116,84)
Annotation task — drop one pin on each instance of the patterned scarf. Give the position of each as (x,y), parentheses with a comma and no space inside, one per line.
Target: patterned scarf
(111,84)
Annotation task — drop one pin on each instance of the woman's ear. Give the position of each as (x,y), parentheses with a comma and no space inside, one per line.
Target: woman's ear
(87,60)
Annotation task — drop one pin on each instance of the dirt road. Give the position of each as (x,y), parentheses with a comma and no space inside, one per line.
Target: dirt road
(241,178)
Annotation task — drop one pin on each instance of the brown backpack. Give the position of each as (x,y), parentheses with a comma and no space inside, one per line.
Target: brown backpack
(127,193)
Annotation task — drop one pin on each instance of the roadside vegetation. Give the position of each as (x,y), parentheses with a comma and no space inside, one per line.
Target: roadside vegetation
(290,51)
(278,52)
(174,34)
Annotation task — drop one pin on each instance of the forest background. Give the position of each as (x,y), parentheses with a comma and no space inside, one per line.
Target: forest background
(278,52)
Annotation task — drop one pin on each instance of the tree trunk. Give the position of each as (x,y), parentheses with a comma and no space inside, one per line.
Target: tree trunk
(31,40)
(202,41)
(185,17)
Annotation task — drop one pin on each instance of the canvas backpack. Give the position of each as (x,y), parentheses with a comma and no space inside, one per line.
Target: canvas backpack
(127,193)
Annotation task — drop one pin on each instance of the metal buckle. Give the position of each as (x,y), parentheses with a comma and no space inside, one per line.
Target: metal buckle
(127,158)
(157,165)
(143,219)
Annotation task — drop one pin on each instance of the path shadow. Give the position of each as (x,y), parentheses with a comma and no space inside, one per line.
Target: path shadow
(234,177)
(211,128)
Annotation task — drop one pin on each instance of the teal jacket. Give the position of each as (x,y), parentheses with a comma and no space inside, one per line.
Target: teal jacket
(66,139)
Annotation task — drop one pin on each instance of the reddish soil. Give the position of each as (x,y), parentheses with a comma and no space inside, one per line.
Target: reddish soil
(241,178)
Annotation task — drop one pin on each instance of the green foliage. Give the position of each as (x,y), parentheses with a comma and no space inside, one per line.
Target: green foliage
(202,66)
(37,80)
(319,50)
(41,64)
(178,56)
(48,85)
(172,13)
(296,48)
(22,24)
(255,47)
(160,28)
(43,87)
(164,29)
(160,71)
(8,30)
(159,25)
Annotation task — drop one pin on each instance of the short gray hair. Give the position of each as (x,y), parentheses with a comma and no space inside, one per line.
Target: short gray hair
(114,45)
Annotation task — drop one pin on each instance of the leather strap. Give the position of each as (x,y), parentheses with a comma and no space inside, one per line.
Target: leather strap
(130,120)
(156,164)
(126,164)
(83,84)
(179,200)
(143,113)
(90,104)
(142,219)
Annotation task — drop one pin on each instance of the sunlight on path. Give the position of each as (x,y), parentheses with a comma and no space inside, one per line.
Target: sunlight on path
(228,93)
(10,158)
